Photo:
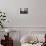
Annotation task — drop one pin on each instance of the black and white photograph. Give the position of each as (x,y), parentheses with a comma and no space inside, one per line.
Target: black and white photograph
(23,10)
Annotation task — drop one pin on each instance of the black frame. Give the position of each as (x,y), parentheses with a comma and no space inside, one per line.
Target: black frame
(25,11)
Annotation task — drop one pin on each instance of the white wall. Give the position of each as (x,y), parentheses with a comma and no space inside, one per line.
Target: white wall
(35,18)
(39,13)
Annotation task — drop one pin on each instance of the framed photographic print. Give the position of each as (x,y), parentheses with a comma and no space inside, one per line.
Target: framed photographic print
(23,10)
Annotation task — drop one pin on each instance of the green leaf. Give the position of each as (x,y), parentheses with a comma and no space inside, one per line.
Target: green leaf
(4,16)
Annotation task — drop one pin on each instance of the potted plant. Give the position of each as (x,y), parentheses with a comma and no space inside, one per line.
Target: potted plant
(2,19)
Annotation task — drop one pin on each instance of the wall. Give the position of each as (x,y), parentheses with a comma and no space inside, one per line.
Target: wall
(35,18)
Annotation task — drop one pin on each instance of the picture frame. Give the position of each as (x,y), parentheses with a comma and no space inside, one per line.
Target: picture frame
(23,10)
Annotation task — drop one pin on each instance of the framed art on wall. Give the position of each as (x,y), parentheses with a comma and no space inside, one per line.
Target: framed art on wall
(23,10)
